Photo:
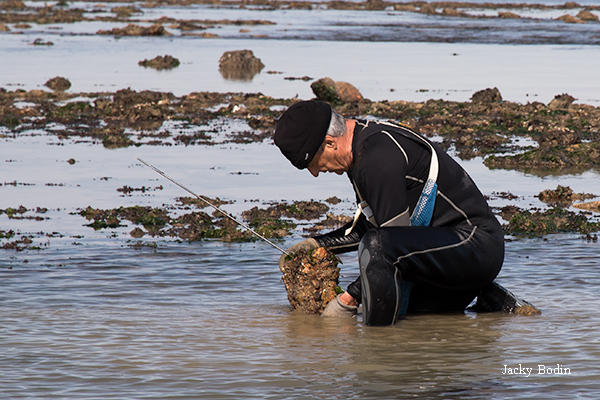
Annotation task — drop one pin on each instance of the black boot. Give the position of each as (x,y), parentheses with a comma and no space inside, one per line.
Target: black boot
(496,298)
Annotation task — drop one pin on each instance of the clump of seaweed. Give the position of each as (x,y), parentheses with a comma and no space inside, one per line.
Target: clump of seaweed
(553,220)
(563,196)
(160,62)
(311,279)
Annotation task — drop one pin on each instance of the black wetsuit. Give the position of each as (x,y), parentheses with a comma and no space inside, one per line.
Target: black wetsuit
(448,262)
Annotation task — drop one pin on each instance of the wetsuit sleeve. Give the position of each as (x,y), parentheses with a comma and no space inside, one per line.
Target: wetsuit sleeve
(381,179)
(337,241)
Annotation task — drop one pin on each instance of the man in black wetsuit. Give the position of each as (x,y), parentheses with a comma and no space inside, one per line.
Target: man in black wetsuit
(427,240)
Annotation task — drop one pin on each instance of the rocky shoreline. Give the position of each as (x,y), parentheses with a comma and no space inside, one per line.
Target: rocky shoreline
(562,137)
(17,11)
(20,14)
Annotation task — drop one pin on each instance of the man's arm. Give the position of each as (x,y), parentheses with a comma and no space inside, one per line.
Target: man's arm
(338,242)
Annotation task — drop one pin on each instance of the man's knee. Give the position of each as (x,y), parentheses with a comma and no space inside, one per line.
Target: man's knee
(381,282)
(371,246)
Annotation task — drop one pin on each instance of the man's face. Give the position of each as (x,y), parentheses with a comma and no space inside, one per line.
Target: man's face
(329,160)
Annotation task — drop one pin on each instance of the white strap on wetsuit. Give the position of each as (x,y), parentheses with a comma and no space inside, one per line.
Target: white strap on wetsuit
(363,208)
(424,209)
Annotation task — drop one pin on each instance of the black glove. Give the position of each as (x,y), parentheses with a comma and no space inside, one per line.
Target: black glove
(308,244)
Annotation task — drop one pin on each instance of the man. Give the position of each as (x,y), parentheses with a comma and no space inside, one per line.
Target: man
(427,240)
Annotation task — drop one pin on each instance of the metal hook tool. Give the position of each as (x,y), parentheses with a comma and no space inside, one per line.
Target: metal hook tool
(243,225)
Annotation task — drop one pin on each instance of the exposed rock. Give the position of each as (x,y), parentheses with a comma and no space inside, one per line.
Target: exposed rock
(160,62)
(453,12)
(137,233)
(580,155)
(125,11)
(487,96)
(375,5)
(428,9)
(569,19)
(553,220)
(6,4)
(136,30)
(41,42)
(561,102)
(311,279)
(558,137)
(326,89)
(404,7)
(58,83)
(4,28)
(562,196)
(585,15)
(508,15)
(239,65)
(590,206)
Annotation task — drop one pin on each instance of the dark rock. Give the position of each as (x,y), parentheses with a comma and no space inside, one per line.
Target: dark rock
(375,5)
(555,137)
(508,15)
(58,83)
(585,15)
(160,62)
(453,12)
(428,9)
(239,65)
(569,19)
(311,279)
(487,96)
(6,4)
(561,102)
(41,42)
(326,89)
(136,30)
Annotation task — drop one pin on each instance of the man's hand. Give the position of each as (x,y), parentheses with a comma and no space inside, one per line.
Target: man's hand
(343,305)
(308,244)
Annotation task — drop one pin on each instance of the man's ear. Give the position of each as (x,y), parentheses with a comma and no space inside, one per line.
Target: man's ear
(330,142)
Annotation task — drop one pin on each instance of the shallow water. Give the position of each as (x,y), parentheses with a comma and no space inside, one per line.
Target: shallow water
(208,320)
(93,315)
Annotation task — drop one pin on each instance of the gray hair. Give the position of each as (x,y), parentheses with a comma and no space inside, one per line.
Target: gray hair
(337,126)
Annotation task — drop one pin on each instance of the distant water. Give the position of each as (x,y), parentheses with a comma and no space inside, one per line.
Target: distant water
(387,55)
(93,316)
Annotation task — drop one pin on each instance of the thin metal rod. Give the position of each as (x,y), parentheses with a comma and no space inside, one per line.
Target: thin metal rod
(158,171)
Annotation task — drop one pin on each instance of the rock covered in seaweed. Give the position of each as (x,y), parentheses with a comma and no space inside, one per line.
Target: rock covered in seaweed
(240,65)
(58,83)
(311,279)
(160,62)
(335,92)
(487,96)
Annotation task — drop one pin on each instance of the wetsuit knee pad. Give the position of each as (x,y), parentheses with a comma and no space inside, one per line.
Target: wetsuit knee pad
(381,282)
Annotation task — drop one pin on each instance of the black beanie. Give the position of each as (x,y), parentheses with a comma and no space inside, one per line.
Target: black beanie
(301,130)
